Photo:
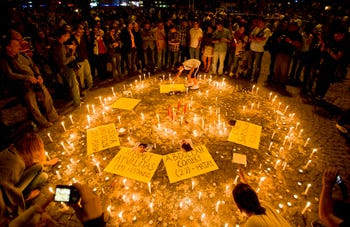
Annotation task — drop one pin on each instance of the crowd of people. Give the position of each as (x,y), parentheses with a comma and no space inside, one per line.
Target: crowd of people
(64,54)
(68,52)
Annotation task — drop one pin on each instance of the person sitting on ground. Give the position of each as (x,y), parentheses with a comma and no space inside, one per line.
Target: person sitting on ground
(333,213)
(192,67)
(88,210)
(247,201)
(26,78)
(22,165)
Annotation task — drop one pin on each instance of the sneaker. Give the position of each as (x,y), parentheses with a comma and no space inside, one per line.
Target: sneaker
(341,128)
(194,87)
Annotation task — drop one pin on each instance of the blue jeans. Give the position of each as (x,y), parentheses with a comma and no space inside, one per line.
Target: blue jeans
(32,178)
(73,84)
(116,69)
(194,53)
(161,58)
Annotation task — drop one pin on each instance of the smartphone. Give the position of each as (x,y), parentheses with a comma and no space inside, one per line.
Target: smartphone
(67,194)
(339,180)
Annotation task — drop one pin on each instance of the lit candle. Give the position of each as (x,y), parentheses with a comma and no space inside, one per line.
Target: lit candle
(308,204)
(270,146)
(285,140)
(64,127)
(47,155)
(243,108)
(120,215)
(202,123)
(273,134)
(142,117)
(217,206)
(58,175)
(100,98)
(300,132)
(284,165)
(297,125)
(270,95)
(307,189)
(285,109)
(257,90)
(151,206)
(124,182)
(236,179)
(199,195)
(261,180)
(97,164)
(279,105)
(307,164)
(312,153)
(88,108)
(119,120)
(113,91)
(290,145)
(64,147)
(252,106)
(253,88)
(71,119)
(277,163)
(202,217)
(51,190)
(88,119)
(149,188)
(306,142)
(50,138)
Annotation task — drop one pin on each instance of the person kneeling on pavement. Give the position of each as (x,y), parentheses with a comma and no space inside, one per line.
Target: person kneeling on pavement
(191,66)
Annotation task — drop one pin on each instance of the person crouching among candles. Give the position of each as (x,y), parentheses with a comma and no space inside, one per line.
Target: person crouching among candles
(21,166)
(191,66)
(247,201)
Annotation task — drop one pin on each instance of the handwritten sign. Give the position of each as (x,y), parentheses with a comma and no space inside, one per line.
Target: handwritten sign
(184,165)
(125,103)
(246,133)
(135,165)
(166,88)
(102,137)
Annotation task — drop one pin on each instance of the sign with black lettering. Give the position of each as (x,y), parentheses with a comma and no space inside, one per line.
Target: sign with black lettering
(183,165)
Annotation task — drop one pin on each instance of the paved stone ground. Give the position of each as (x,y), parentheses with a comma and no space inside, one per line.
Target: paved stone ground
(282,189)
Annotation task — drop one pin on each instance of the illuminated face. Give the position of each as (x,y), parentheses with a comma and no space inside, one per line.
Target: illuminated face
(14,47)
(220,27)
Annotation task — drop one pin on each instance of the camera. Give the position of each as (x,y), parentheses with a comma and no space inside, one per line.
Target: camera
(67,194)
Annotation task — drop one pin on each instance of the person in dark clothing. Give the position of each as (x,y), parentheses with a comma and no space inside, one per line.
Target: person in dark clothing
(128,49)
(114,50)
(333,52)
(137,59)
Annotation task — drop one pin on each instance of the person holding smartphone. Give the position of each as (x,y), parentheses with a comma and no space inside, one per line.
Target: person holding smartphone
(88,209)
(333,213)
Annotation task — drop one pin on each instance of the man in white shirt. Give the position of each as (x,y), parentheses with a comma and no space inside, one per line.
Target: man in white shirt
(258,38)
(196,35)
(191,66)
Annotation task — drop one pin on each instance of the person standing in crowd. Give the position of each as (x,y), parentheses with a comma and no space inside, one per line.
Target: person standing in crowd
(148,45)
(333,50)
(257,38)
(240,40)
(184,34)
(207,46)
(174,46)
(25,45)
(100,51)
(196,35)
(287,42)
(64,63)
(83,71)
(25,77)
(258,214)
(221,38)
(137,59)
(114,50)
(128,48)
(160,37)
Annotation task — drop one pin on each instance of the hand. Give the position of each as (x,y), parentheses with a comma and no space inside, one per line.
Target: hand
(33,80)
(52,162)
(40,80)
(329,176)
(90,204)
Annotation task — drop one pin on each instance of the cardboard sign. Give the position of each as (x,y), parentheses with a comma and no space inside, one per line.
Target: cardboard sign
(246,133)
(102,137)
(184,165)
(135,165)
(166,88)
(239,159)
(125,103)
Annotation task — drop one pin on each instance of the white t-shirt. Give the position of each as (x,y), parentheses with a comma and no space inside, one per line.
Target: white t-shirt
(258,46)
(195,35)
(271,218)
(190,63)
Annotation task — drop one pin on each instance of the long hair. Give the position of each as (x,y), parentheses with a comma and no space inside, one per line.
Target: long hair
(31,148)
(247,199)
